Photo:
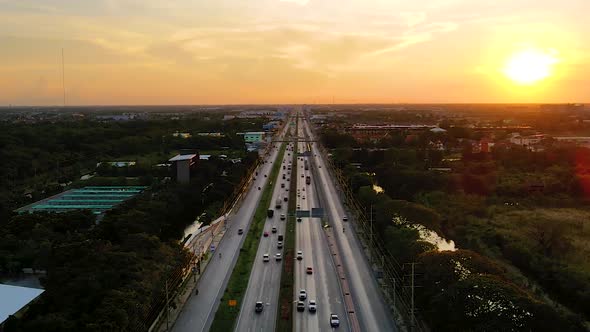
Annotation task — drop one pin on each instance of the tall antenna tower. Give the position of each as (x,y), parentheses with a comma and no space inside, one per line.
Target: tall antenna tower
(63,75)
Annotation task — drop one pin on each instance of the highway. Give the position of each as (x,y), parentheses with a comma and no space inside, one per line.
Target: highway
(323,284)
(372,311)
(265,277)
(198,313)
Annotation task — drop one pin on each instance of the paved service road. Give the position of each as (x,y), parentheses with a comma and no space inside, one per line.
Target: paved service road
(265,277)
(198,313)
(371,309)
(323,284)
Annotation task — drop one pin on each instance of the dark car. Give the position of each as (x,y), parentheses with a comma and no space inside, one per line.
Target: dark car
(258,307)
(240,231)
(300,306)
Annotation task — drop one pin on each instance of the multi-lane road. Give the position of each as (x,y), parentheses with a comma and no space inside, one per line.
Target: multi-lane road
(265,278)
(323,285)
(197,314)
(372,311)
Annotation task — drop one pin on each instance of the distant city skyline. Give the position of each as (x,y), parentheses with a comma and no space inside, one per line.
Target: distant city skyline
(129,52)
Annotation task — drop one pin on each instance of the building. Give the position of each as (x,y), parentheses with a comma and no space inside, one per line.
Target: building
(183,164)
(254,136)
(526,140)
(576,140)
(182,135)
(211,134)
(14,300)
(97,199)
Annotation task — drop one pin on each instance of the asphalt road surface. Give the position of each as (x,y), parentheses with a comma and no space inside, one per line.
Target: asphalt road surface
(198,313)
(371,309)
(323,284)
(265,277)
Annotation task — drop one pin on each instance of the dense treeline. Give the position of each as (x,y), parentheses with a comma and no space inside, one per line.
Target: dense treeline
(472,205)
(110,277)
(35,158)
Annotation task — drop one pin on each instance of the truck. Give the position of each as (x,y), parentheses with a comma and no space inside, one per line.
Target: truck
(308,179)
(278,203)
(306,165)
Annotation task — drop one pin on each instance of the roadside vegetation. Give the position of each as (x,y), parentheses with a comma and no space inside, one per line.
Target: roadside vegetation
(519,217)
(285,312)
(226,315)
(111,275)
(44,159)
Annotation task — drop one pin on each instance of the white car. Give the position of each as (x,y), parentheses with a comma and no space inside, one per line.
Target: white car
(302,295)
(312,306)
(299,255)
(283,216)
(265,258)
(334,321)
(278,256)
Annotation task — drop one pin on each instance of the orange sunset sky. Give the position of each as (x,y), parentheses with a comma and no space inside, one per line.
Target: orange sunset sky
(294,51)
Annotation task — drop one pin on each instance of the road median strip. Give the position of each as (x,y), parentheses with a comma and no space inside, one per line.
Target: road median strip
(285,312)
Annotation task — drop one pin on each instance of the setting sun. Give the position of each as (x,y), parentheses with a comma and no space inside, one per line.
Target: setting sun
(530,66)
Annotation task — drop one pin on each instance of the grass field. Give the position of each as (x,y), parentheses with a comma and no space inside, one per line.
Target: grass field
(225,316)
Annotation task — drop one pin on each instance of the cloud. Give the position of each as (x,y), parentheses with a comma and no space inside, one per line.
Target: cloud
(297,2)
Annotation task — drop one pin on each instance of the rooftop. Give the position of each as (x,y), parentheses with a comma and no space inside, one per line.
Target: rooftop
(97,199)
(14,298)
(181,157)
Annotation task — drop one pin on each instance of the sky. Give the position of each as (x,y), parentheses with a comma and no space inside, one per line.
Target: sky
(162,52)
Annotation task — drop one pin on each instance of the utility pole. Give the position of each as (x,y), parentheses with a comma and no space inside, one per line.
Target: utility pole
(412,325)
(167,307)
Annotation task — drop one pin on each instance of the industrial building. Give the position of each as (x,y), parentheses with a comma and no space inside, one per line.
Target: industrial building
(96,199)
(183,164)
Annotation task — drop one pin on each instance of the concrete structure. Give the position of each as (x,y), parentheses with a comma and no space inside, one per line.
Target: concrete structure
(15,299)
(184,163)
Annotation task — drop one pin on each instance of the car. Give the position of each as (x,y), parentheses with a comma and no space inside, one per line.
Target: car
(265,234)
(300,306)
(283,216)
(302,175)
(274,229)
(258,307)
(299,255)
(278,256)
(303,188)
(282,185)
(309,270)
(319,166)
(265,258)
(334,321)
(240,231)
(298,219)
(303,197)
(280,244)
(302,294)
(298,206)
(312,307)
(298,194)
(345,218)
(286,199)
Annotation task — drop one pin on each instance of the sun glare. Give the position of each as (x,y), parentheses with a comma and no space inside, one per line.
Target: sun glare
(530,66)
